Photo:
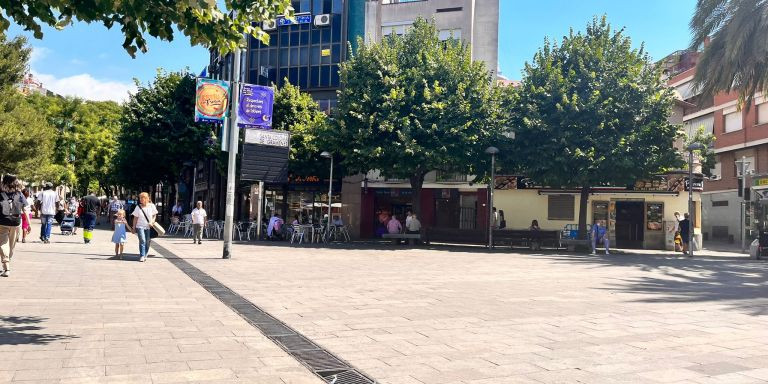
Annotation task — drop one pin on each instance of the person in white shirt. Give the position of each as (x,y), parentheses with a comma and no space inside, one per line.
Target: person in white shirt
(144,216)
(275,226)
(414,226)
(48,199)
(408,215)
(198,222)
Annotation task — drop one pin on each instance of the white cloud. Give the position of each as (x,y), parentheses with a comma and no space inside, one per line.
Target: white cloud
(87,87)
(38,53)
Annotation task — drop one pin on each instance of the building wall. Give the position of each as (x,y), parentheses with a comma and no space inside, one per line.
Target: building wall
(721,214)
(478,21)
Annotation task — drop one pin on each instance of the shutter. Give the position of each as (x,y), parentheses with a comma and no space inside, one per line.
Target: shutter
(561,207)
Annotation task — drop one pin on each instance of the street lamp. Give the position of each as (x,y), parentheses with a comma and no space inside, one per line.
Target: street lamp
(695,146)
(328,155)
(491,151)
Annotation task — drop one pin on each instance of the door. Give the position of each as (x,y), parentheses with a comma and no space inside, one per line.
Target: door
(629,224)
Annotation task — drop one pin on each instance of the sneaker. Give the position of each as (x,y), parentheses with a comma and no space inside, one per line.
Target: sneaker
(593,253)
(6,273)
(607,253)
(200,242)
(143,259)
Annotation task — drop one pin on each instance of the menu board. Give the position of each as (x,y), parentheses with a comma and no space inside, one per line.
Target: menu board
(654,213)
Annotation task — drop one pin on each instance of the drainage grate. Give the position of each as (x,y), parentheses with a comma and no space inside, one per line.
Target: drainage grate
(346,377)
(322,363)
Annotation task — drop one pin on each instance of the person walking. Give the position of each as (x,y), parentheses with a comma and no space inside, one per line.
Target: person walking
(114,206)
(26,226)
(48,201)
(12,204)
(90,215)
(198,222)
(119,236)
(144,216)
(685,232)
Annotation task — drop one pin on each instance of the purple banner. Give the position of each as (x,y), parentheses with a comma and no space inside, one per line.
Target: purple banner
(255,110)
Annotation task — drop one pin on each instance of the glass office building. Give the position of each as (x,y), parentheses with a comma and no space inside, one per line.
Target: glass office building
(306,52)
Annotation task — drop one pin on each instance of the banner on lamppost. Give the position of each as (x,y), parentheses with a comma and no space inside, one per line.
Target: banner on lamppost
(211,100)
(255,109)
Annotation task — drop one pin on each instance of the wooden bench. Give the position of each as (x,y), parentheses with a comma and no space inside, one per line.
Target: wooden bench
(525,237)
(571,244)
(396,237)
(455,236)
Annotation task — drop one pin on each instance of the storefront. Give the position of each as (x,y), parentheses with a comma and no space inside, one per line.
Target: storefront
(639,216)
(302,197)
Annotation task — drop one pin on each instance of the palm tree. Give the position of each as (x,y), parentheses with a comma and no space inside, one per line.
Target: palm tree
(736,56)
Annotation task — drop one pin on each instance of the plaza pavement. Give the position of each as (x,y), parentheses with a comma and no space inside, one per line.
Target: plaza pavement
(72,313)
(425,315)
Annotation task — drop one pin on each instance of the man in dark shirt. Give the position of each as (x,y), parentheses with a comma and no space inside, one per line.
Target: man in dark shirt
(90,212)
(685,231)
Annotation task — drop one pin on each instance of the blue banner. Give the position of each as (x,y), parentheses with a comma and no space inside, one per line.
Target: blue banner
(255,109)
(300,19)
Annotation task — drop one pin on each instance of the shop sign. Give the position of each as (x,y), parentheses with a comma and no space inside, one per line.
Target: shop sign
(211,100)
(505,182)
(673,183)
(298,19)
(255,107)
(761,182)
(270,138)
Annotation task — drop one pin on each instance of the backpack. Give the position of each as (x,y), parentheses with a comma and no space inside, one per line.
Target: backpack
(11,207)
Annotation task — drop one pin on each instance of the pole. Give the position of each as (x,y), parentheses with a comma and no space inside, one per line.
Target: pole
(743,204)
(260,210)
(690,203)
(330,191)
(229,211)
(490,202)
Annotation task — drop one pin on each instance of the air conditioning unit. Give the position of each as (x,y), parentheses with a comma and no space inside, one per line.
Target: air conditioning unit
(322,20)
(715,177)
(269,25)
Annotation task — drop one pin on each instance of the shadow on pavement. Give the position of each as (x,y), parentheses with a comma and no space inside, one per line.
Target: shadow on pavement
(739,282)
(13,331)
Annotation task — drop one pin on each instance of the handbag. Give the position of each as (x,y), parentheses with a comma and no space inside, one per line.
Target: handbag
(155,229)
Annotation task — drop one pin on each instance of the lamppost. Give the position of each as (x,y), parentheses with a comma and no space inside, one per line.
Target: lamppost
(691,147)
(491,151)
(328,155)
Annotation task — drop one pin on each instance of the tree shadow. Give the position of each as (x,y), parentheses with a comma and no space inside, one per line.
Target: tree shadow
(737,282)
(19,330)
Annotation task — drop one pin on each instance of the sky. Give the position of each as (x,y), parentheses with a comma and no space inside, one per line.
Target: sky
(89,61)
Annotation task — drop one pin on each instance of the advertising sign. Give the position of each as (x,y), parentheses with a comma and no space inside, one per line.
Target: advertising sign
(255,109)
(270,138)
(299,19)
(211,100)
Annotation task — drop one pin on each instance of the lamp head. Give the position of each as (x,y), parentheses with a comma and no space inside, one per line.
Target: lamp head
(695,146)
(326,154)
(491,150)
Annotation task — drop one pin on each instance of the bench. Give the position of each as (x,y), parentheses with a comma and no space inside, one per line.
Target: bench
(571,244)
(455,235)
(396,237)
(525,237)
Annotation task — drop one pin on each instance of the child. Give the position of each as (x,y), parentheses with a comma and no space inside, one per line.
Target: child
(119,237)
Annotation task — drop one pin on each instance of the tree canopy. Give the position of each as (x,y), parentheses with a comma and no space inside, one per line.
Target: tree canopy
(734,37)
(297,112)
(159,132)
(412,104)
(203,21)
(594,111)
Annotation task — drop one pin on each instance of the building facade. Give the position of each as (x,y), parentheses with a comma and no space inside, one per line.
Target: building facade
(476,22)
(741,135)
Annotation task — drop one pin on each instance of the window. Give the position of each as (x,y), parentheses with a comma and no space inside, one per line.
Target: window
(721,203)
(561,207)
(762,113)
(732,121)
(717,171)
(398,28)
(446,34)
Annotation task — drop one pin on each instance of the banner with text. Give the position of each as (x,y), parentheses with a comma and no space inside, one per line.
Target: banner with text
(211,100)
(255,109)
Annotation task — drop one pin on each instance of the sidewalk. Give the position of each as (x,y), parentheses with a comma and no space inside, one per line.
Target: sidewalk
(72,313)
(462,315)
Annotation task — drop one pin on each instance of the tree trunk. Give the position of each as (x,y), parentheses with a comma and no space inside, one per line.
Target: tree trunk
(417,181)
(583,212)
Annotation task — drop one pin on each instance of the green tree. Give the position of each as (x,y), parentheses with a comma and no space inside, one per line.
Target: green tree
(593,111)
(707,155)
(203,21)
(159,132)
(297,112)
(413,104)
(736,56)
(14,58)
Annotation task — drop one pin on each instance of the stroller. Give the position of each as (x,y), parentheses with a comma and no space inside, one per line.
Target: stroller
(68,224)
